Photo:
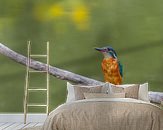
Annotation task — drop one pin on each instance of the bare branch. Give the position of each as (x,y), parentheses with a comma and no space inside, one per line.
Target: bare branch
(56,72)
(62,74)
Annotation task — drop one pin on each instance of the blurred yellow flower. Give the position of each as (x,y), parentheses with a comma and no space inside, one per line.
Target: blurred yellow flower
(56,11)
(80,16)
(46,12)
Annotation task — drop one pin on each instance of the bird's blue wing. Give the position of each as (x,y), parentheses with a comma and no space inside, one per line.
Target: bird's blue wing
(120,68)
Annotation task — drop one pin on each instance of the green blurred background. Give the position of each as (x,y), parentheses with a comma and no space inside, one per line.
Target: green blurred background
(73,28)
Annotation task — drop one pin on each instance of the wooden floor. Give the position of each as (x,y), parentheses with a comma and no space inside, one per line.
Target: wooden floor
(15,121)
(17,126)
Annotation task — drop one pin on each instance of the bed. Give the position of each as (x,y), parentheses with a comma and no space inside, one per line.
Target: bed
(105,113)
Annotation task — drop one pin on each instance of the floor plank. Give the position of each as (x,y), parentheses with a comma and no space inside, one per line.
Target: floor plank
(1,123)
(16,121)
(5,126)
(17,126)
(19,117)
(21,126)
(13,126)
(30,125)
(39,124)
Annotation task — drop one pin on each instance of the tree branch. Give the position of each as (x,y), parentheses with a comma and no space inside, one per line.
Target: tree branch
(56,72)
(60,73)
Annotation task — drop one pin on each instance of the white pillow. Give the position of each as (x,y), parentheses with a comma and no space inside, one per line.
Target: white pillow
(142,95)
(143,92)
(71,93)
(103,95)
(106,88)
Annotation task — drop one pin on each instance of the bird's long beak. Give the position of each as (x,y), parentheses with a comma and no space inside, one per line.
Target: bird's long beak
(99,49)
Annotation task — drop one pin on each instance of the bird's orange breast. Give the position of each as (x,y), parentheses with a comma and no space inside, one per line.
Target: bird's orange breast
(111,72)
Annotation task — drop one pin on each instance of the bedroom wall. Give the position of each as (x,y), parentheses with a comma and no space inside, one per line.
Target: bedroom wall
(73,28)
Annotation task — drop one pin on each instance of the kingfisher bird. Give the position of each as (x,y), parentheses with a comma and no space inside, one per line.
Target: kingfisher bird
(111,66)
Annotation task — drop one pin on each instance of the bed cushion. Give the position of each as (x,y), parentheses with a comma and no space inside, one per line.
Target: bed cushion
(106,88)
(70,93)
(80,90)
(76,92)
(103,95)
(143,92)
(131,91)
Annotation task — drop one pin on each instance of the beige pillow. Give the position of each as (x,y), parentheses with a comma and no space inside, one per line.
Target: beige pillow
(143,92)
(131,91)
(71,92)
(80,90)
(103,95)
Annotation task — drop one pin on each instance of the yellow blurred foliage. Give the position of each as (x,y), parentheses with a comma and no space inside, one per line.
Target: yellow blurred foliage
(56,10)
(80,16)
